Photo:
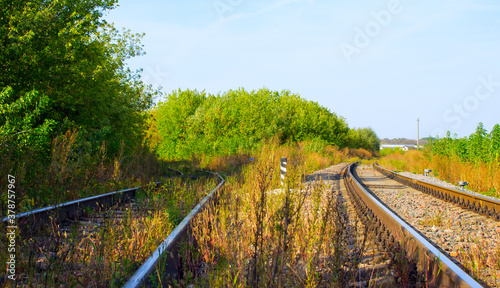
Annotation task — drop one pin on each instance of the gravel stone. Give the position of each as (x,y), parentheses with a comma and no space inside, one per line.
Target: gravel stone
(461,232)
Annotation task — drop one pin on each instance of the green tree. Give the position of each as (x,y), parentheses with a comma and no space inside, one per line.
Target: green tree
(173,118)
(364,138)
(480,146)
(494,147)
(20,122)
(476,143)
(190,123)
(67,52)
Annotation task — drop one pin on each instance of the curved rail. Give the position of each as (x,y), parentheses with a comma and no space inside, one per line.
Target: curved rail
(170,245)
(478,203)
(397,234)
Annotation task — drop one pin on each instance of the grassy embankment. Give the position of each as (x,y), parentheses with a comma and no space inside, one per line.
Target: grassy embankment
(482,177)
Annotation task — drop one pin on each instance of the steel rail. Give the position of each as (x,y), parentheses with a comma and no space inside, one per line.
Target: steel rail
(397,234)
(478,203)
(32,220)
(170,245)
(171,169)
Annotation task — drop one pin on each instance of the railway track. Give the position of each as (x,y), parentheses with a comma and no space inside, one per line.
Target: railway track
(365,263)
(70,232)
(30,222)
(393,252)
(166,257)
(478,203)
(449,243)
(372,203)
(374,267)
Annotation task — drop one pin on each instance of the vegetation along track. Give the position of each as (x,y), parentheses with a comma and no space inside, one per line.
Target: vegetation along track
(374,264)
(459,242)
(100,241)
(329,246)
(485,205)
(166,257)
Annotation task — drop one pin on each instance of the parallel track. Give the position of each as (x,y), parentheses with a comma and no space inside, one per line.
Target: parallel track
(396,234)
(30,222)
(478,203)
(89,212)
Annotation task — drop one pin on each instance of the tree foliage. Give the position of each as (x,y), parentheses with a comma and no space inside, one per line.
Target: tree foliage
(65,57)
(191,123)
(364,138)
(480,146)
(20,119)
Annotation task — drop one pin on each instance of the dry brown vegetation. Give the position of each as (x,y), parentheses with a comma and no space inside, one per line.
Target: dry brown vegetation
(482,177)
(75,172)
(263,235)
(106,253)
(313,157)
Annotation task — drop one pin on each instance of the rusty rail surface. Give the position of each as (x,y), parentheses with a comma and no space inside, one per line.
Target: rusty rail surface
(395,234)
(478,203)
(166,257)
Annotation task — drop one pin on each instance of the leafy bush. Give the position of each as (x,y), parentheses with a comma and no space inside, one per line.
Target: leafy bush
(63,69)
(192,123)
(387,151)
(480,146)
(364,138)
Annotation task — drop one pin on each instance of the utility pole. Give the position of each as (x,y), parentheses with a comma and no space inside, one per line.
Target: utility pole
(418,133)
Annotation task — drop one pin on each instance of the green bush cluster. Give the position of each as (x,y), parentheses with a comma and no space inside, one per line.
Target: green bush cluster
(72,114)
(480,146)
(364,138)
(63,67)
(387,151)
(191,123)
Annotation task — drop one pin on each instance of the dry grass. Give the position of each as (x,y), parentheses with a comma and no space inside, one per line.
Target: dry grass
(226,164)
(434,220)
(261,235)
(314,157)
(105,255)
(73,172)
(482,177)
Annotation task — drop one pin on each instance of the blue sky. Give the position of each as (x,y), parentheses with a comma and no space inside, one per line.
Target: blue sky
(379,64)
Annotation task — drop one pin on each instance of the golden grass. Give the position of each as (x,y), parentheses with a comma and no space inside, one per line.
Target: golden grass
(313,157)
(482,177)
(263,235)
